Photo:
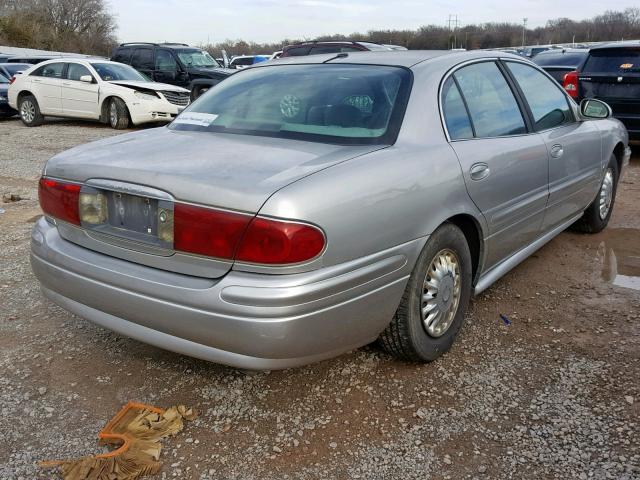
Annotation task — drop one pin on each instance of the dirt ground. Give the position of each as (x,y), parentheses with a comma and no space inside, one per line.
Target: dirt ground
(553,394)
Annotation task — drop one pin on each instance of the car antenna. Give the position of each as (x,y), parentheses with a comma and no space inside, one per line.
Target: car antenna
(340,55)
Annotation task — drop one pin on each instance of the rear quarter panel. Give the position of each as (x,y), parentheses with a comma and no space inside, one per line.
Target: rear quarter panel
(387,197)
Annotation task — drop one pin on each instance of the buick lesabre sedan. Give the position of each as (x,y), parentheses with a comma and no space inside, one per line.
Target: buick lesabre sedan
(308,207)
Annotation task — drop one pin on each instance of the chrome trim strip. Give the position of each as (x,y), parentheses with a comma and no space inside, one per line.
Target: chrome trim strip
(130,188)
(488,278)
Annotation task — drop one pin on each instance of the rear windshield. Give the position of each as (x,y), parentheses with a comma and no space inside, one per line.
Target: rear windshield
(345,104)
(613,60)
(12,68)
(560,59)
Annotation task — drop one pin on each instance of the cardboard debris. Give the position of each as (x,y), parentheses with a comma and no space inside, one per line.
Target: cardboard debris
(136,430)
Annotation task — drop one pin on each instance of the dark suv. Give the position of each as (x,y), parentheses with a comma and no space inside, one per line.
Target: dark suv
(611,73)
(174,63)
(315,48)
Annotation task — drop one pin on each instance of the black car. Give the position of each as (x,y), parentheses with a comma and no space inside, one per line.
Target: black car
(174,63)
(611,73)
(5,109)
(559,62)
(10,69)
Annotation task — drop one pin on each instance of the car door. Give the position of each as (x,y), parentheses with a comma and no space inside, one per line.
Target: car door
(166,68)
(504,165)
(143,61)
(574,147)
(80,99)
(46,85)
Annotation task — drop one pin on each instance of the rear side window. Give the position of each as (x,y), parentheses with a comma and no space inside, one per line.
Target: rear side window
(123,55)
(142,58)
(613,60)
(455,113)
(493,108)
(548,105)
(165,61)
(75,71)
(51,70)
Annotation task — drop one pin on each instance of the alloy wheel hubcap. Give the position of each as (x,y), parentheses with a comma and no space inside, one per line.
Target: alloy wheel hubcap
(28,111)
(606,194)
(441,293)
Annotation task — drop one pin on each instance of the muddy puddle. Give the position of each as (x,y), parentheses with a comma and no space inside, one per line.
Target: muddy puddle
(619,257)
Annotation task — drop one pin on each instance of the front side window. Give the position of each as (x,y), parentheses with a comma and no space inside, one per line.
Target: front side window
(197,58)
(75,71)
(142,58)
(455,113)
(50,70)
(493,107)
(117,71)
(346,104)
(165,61)
(548,105)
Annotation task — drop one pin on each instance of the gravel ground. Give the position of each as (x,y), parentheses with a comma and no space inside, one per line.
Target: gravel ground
(555,394)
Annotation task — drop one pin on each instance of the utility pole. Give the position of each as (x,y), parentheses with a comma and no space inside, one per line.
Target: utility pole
(524,31)
(453,20)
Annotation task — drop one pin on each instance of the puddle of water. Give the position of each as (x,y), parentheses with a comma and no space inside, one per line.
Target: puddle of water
(619,257)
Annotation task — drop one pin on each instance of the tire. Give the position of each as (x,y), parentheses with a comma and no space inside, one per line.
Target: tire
(30,111)
(198,91)
(596,217)
(118,114)
(407,336)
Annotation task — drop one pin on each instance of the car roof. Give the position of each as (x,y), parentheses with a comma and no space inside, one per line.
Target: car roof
(398,58)
(163,45)
(624,44)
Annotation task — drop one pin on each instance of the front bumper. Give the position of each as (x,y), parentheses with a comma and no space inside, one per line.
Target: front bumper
(245,320)
(148,111)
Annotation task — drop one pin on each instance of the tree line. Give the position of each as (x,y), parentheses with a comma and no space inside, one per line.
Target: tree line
(87,26)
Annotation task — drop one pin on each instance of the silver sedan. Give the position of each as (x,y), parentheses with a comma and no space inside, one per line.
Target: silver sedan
(305,208)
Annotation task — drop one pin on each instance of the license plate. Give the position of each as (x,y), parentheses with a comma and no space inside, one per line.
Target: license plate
(133,213)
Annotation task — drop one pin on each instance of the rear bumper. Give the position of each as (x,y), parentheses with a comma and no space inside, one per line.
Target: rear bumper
(244,320)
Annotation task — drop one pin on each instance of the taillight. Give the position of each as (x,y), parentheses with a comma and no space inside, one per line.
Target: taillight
(276,242)
(206,231)
(12,79)
(236,236)
(570,83)
(60,199)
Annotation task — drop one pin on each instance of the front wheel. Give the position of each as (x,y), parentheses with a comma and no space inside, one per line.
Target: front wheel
(435,300)
(118,114)
(597,215)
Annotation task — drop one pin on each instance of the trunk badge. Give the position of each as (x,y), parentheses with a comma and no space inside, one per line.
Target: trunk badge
(619,79)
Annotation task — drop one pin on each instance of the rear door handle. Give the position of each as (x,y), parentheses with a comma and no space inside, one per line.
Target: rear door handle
(557,151)
(479,171)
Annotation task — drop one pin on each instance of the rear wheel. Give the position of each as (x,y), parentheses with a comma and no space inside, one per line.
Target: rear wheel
(597,215)
(30,111)
(118,114)
(435,300)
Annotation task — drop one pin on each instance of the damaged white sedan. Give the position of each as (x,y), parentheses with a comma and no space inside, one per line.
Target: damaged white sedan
(93,89)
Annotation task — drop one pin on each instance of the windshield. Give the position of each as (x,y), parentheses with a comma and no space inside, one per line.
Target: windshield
(560,59)
(117,71)
(345,104)
(3,79)
(197,58)
(613,60)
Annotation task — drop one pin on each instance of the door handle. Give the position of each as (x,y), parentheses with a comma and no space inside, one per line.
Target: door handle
(479,171)
(557,151)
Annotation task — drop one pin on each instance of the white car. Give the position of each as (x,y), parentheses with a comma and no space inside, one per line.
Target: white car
(111,92)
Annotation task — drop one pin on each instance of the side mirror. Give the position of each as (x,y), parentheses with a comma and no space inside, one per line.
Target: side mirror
(594,108)
(86,78)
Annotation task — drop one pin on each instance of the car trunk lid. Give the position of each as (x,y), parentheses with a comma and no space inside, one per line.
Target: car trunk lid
(232,172)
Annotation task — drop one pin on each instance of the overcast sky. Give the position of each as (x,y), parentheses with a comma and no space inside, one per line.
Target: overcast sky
(196,21)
